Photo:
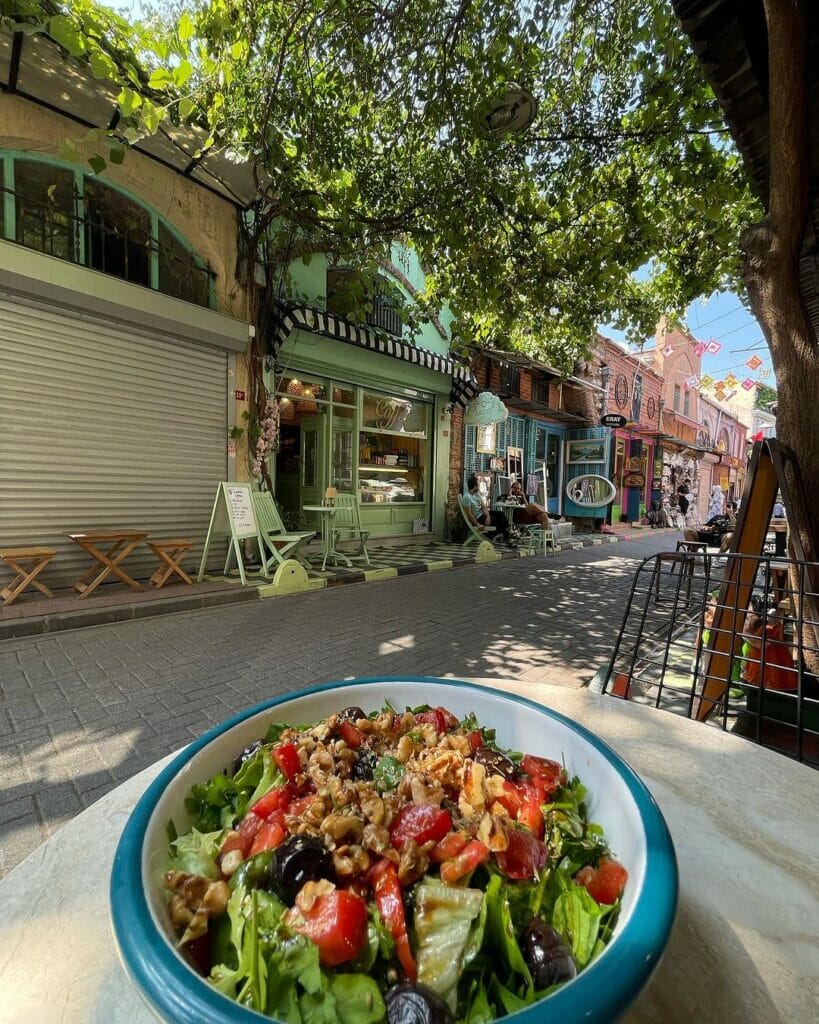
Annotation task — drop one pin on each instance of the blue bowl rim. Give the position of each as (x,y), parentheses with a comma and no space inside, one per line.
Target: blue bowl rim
(616,977)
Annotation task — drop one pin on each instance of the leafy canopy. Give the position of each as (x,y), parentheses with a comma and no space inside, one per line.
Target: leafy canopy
(359,120)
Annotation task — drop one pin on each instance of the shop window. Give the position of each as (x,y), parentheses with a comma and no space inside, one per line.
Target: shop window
(395,414)
(393,449)
(180,274)
(117,234)
(636,397)
(45,208)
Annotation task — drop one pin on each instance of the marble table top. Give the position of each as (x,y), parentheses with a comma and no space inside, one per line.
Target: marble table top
(743,949)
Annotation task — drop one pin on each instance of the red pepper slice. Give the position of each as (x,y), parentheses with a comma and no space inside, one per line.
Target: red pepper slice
(388,899)
(475,739)
(276,800)
(473,854)
(421,822)
(450,846)
(336,922)
(287,758)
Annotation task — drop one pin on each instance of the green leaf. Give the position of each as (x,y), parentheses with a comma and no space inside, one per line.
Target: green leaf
(116,154)
(387,773)
(500,929)
(129,101)
(577,916)
(186,107)
(443,922)
(161,78)
(358,999)
(184,27)
(102,66)
(63,30)
(97,164)
(195,853)
(182,73)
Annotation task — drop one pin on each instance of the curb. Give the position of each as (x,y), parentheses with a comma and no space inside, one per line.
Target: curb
(58,622)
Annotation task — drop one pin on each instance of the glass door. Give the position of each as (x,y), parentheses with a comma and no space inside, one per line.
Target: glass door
(313,459)
(548,447)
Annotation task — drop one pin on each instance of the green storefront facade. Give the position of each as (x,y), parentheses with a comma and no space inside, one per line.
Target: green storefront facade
(364,410)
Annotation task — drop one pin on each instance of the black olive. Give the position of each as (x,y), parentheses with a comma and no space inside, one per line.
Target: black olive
(545,954)
(364,765)
(416,1004)
(246,755)
(298,860)
(495,762)
(351,714)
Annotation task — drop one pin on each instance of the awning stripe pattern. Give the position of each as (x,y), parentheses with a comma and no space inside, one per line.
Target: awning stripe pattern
(317,321)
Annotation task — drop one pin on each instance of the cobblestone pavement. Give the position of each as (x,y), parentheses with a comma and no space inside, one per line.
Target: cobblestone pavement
(83,710)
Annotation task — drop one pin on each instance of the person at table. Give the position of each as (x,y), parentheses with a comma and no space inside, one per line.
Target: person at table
(715,530)
(480,515)
(530,513)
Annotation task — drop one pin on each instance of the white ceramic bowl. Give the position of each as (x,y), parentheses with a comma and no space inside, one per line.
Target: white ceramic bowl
(618,800)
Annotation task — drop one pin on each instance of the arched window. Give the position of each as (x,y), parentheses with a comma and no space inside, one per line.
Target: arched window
(61,211)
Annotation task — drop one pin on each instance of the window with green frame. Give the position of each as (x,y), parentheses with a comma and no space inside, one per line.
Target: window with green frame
(61,211)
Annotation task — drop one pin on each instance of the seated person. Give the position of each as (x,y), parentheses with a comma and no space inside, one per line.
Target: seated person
(481,516)
(713,532)
(530,513)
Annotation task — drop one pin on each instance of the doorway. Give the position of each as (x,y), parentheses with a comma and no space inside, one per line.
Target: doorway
(548,449)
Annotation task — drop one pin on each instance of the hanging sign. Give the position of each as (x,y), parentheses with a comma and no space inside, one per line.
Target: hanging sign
(233,517)
(754,363)
(613,419)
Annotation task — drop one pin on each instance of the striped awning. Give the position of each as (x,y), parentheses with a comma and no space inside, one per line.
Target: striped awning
(317,321)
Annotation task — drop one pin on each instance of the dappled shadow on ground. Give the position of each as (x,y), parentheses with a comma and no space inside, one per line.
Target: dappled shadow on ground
(82,711)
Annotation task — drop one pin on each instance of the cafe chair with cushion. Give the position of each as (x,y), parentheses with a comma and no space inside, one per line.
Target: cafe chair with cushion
(281,543)
(347,525)
(476,533)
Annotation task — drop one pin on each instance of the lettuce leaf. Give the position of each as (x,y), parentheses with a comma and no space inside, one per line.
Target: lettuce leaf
(443,923)
(576,916)
(195,853)
(501,931)
(207,800)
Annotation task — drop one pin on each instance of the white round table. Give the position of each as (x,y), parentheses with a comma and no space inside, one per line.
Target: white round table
(743,949)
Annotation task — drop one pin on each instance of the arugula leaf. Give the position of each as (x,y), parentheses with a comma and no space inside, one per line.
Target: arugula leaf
(576,916)
(379,942)
(195,853)
(257,776)
(207,800)
(274,731)
(480,1010)
(319,1007)
(358,999)
(500,930)
(419,709)
(387,773)
(508,999)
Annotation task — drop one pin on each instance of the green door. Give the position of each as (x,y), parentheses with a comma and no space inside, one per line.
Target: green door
(313,462)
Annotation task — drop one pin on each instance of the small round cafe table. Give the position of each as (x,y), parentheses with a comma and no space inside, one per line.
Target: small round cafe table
(743,949)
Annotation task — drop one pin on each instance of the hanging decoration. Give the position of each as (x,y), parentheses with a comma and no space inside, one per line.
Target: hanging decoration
(268,439)
(749,384)
(668,350)
(764,374)
(754,363)
(706,381)
(713,347)
(700,348)
(731,380)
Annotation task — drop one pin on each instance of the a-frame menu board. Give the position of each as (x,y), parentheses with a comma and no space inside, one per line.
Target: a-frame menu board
(233,517)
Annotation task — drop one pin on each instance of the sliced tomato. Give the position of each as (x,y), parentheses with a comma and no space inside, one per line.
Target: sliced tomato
(450,721)
(350,733)
(604,884)
(524,856)
(511,797)
(548,774)
(473,854)
(449,847)
(248,827)
(390,903)
(336,922)
(439,717)
(531,816)
(298,807)
(475,739)
(276,800)
(272,834)
(422,822)
(287,758)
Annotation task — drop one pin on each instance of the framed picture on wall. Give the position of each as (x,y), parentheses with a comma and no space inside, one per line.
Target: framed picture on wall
(487,439)
(592,450)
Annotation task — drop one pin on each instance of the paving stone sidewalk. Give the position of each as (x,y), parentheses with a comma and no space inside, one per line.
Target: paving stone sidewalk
(83,710)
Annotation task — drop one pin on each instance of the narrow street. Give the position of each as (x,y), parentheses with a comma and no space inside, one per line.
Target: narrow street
(81,711)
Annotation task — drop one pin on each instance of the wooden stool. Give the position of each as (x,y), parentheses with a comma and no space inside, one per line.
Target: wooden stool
(169,552)
(34,561)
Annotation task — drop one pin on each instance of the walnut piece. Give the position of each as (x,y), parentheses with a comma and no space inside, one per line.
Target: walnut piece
(195,900)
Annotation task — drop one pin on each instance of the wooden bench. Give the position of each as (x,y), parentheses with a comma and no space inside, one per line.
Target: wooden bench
(169,552)
(27,563)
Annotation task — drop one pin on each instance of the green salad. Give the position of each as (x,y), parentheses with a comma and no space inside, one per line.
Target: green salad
(391,866)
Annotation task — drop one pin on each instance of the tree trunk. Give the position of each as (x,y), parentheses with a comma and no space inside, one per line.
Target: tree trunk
(771,271)
(772,250)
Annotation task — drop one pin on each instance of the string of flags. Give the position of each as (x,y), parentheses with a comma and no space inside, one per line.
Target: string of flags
(754,363)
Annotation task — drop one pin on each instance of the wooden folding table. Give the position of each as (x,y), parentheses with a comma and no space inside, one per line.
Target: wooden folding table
(169,552)
(26,563)
(118,544)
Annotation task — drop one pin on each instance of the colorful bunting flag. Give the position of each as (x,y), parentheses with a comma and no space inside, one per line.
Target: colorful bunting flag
(764,374)
(731,380)
(748,384)
(706,381)
(754,363)
(668,350)
(713,347)
(700,348)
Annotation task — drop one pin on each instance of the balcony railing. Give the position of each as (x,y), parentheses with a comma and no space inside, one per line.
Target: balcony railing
(92,241)
(385,316)
(510,381)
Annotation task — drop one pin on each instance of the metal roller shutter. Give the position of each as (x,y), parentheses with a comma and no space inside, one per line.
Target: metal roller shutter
(102,426)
